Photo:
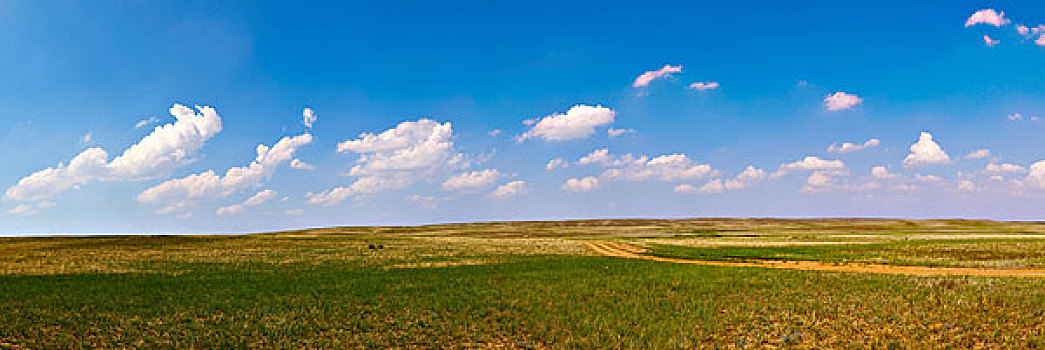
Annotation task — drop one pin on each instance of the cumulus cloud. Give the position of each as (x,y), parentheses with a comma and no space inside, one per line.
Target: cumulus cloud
(579,121)
(87,138)
(425,202)
(604,158)
(167,147)
(472,181)
(746,178)
(852,147)
(394,159)
(809,163)
(514,188)
(1004,168)
(613,132)
(841,100)
(990,42)
(987,16)
(298,164)
(928,178)
(687,188)
(644,79)
(176,194)
(1036,175)
(978,154)
(146,122)
(704,85)
(361,187)
(255,200)
(882,173)
(817,182)
(409,147)
(670,167)
(556,163)
(966,186)
(926,152)
(308,117)
(1018,117)
(575,185)
(30,209)
(1031,32)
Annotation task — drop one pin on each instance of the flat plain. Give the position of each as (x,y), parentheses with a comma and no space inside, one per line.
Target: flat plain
(688,283)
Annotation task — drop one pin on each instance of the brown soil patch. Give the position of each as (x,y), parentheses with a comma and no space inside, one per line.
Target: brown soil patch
(622,250)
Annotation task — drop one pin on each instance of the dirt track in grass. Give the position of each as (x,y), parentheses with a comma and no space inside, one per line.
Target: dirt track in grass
(623,250)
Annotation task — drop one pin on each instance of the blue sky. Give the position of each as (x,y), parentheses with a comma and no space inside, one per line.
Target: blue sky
(434,112)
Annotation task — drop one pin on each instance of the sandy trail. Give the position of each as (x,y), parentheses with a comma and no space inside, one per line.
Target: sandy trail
(623,250)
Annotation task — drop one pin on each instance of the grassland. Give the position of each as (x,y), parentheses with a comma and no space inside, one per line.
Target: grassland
(526,285)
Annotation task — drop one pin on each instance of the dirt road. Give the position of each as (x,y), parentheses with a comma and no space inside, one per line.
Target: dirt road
(623,250)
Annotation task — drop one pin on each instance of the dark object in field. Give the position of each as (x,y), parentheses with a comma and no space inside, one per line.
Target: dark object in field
(371,247)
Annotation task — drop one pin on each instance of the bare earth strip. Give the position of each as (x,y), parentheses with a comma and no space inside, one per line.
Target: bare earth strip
(622,250)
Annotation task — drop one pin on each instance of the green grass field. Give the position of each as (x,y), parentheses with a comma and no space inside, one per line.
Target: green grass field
(525,285)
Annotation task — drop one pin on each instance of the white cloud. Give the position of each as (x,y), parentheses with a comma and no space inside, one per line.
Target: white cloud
(704,85)
(664,72)
(494,132)
(308,117)
(298,164)
(294,211)
(612,132)
(396,158)
(1036,177)
(687,188)
(1014,116)
(472,181)
(987,16)
(514,188)
(882,173)
(556,163)
(87,138)
(177,194)
(146,122)
(361,187)
(851,147)
(578,122)
(426,202)
(410,146)
(1004,168)
(166,148)
(928,178)
(580,185)
(746,178)
(1031,32)
(255,200)
(966,186)
(841,100)
(29,209)
(809,163)
(604,158)
(925,152)
(817,182)
(819,179)
(978,154)
(22,209)
(990,42)
(671,167)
